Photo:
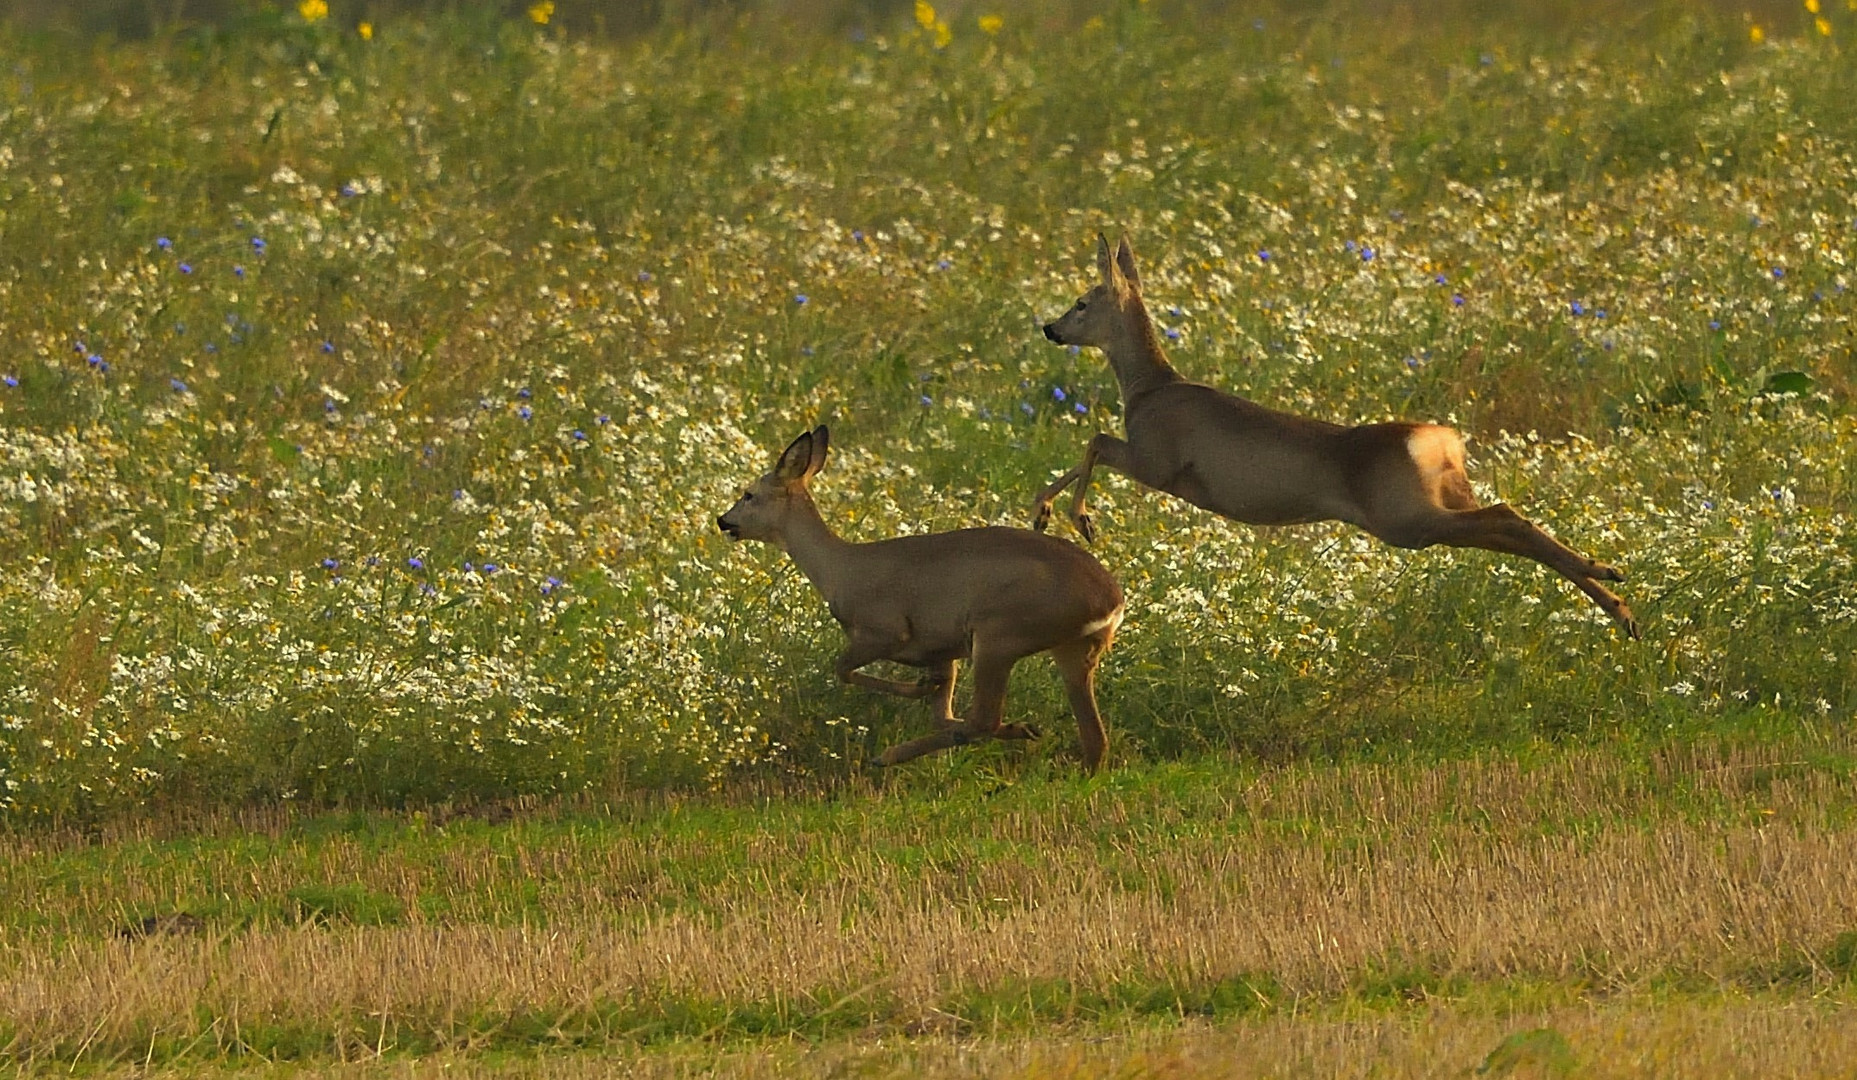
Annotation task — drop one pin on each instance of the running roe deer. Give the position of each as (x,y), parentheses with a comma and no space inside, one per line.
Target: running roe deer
(992,595)
(1402,482)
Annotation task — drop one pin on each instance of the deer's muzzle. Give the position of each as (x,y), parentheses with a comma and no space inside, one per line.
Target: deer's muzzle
(732,530)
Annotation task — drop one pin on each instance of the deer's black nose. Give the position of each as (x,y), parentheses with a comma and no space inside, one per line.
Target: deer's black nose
(1051,334)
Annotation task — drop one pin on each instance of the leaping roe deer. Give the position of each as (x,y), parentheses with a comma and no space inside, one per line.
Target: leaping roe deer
(990,595)
(1402,482)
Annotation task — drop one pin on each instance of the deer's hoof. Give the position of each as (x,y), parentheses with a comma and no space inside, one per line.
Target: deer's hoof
(1086,528)
(1041,517)
(1607,573)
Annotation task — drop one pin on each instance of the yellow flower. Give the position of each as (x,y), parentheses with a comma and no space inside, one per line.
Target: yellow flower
(990,24)
(1824,26)
(943,35)
(539,14)
(366,30)
(1812,6)
(1094,22)
(313,10)
(1756,35)
(925,14)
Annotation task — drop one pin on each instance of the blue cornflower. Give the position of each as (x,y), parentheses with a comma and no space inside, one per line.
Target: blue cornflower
(926,401)
(1176,312)
(238,271)
(523,393)
(186,268)
(257,244)
(163,243)
(857,235)
(1080,407)
(800,298)
(10,380)
(525,412)
(1075,349)
(210,347)
(807,350)
(1412,362)
(328,346)
(1457,299)
(550,585)
(944,264)
(328,405)
(602,419)
(468,568)
(1439,279)
(177,386)
(1715,324)
(1350,245)
(1058,393)
(1173,333)
(1779,272)
(1263,254)
(1600,313)
(350,190)
(1366,254)
(415,563)
(490,568)
(331,564)
(94,360)
(579,435)
(1026,408)
(644,275)
(1577,308)
(427,588)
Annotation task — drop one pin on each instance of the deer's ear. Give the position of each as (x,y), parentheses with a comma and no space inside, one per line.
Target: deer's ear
(821,438)
(1125,261)
(796,459)
(1105,263)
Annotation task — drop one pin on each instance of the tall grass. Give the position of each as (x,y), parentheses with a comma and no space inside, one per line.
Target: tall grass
(369,400)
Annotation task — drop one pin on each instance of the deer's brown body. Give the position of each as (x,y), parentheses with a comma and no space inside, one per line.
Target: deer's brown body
(989,595)
(1402,482)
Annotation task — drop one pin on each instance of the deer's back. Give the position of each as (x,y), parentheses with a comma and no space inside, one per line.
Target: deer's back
(951,586)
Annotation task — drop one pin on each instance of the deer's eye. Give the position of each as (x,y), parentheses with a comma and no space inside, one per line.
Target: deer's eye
(747,496)
(1081,304)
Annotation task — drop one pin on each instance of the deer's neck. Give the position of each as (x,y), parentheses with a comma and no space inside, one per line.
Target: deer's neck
(815,548)
(1136,355)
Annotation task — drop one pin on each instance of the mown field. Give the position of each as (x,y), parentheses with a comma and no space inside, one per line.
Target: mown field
(373,680)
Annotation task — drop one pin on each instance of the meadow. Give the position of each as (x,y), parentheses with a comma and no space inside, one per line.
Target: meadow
(368,393)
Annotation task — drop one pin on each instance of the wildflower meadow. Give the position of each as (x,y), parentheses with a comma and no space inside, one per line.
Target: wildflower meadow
(371,387)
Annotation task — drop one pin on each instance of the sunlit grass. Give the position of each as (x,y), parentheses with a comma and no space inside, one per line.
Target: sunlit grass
(370,399)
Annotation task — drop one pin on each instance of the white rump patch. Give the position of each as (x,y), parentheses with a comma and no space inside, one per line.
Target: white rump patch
(1109,621)
(1435,449)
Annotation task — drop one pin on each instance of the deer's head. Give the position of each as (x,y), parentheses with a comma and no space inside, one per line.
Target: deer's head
(1100,314)
(762,511)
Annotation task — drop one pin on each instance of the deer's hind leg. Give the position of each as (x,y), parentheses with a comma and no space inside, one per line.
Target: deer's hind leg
(1499,528)
(1076,661)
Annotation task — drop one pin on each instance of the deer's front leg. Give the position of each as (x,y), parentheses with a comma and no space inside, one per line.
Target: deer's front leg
(1109,452)
(867,647)
(1041,506)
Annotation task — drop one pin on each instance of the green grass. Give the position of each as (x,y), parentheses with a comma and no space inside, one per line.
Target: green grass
(531,301)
